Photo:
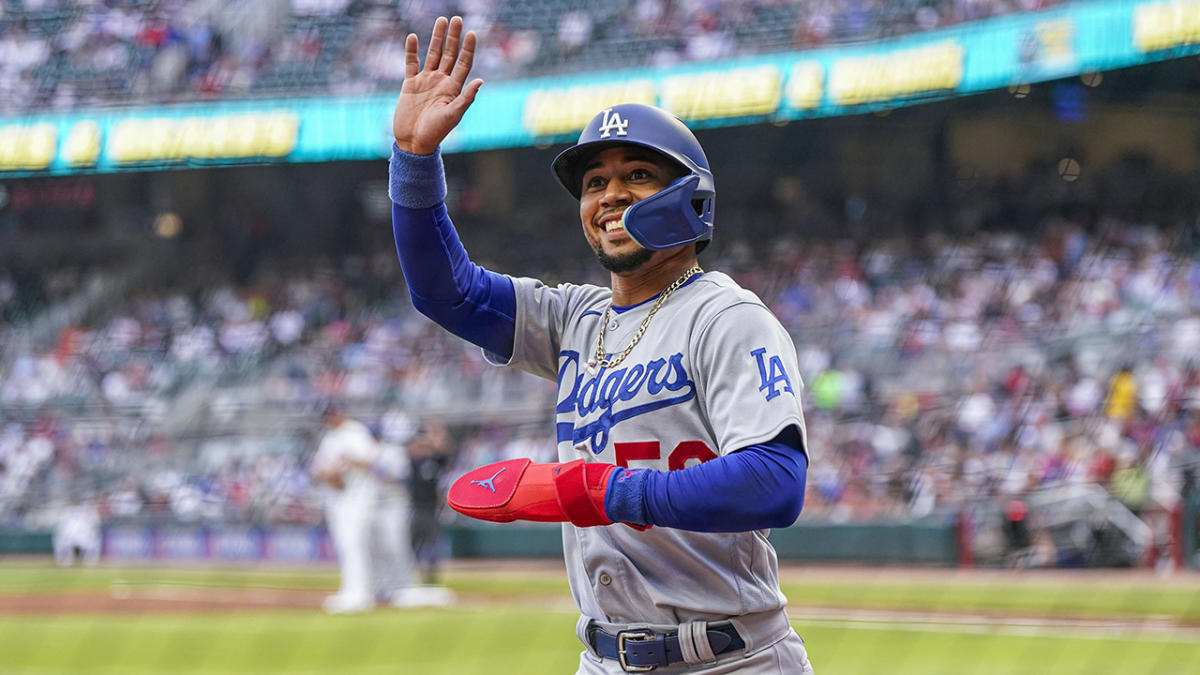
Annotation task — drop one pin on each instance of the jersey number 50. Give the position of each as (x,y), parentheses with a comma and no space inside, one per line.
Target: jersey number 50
(651,450)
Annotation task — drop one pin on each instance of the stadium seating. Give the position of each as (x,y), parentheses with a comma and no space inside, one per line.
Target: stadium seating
(1002,341)
(65,53)
(940,367)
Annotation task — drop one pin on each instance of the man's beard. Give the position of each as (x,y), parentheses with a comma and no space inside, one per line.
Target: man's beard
(624,263)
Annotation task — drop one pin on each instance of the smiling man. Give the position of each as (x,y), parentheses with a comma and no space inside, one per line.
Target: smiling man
(612,180)
(679,426)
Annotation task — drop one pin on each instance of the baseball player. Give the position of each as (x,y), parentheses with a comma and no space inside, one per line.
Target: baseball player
(391,560)
(343,463)
(679,427)
(430,456)
(77,534)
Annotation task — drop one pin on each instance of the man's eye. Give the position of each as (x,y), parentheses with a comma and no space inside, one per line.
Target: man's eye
(594,182)
(639,174)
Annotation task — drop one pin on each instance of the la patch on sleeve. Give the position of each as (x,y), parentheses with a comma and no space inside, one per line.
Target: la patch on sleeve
(772,375)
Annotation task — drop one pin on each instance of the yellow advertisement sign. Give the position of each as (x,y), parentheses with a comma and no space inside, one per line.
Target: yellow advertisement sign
(806,85)
(81,147)
(1162,25)
(557,111)
(880,77)
(160,139)
(723,93)
(28,147)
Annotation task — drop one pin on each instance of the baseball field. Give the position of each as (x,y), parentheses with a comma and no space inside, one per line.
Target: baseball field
(517,617)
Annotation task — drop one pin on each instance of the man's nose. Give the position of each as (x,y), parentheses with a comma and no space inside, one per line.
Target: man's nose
(615,193)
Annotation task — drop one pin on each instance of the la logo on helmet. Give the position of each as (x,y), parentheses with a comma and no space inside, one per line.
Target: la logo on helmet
(612,120)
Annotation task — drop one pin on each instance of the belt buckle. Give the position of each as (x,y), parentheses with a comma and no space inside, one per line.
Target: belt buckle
(622,637)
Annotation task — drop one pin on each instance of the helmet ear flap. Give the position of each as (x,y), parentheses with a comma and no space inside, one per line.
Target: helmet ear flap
(668,218)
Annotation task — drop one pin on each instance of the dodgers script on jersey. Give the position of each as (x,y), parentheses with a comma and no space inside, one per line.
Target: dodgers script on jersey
(714,372)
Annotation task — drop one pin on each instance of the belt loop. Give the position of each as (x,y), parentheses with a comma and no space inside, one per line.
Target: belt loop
(761,630)
(582,628)
(693,642)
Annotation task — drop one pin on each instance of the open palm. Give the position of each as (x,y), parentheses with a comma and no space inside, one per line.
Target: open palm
(433,99)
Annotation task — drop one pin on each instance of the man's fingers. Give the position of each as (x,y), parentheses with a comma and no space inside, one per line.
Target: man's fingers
(466,57)
(467,97)
(411,63)
(433,57)
(450,51)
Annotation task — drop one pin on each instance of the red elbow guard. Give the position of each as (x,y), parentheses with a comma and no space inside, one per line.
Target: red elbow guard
(520,489)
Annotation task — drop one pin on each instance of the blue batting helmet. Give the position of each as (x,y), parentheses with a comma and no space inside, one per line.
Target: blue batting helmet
(680,213)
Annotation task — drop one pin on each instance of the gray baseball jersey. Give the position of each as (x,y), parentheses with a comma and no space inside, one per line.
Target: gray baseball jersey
(714,372)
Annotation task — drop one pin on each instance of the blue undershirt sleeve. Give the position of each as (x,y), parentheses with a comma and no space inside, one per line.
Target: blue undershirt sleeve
(758,487)
(471,302)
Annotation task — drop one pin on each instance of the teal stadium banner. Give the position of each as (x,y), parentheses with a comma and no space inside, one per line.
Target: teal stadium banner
(1016,49)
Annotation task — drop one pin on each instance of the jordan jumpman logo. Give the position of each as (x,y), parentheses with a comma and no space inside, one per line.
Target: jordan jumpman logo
(488,483)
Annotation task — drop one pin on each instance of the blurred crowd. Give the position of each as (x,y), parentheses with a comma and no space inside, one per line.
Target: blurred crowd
(84,415)
(64,54)
(939,369)
(995,365)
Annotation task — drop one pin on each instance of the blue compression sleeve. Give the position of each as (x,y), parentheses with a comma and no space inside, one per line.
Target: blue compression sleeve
(755,488)
(475,304)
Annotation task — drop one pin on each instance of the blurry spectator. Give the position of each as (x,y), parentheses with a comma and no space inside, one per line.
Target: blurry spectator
(707,39)
(1122,394)
(1017,535)
(1131,483)
(574,31)
(319,7)
(125,501)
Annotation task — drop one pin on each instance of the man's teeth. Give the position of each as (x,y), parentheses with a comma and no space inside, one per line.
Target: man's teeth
(613,226)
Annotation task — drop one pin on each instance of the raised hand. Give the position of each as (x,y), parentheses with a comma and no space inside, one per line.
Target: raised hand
(434,98)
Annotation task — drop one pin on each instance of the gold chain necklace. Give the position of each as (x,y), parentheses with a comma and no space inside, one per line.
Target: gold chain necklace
(599,360)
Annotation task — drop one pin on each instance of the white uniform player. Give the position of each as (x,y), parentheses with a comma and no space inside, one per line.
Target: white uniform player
(678,407)
(77,533)
(343,463)
(392,559)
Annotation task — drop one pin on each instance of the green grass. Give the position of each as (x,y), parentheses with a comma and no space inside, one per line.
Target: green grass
(513,641)
(446,641)
(515,621)
(838,650)
(1068,596)
(1017,595)
(41,578)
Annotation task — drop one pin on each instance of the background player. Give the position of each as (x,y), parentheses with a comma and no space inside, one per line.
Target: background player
(677,372)
(430,456)
(391,560)
(343,463)
(77,534)
(395,517)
